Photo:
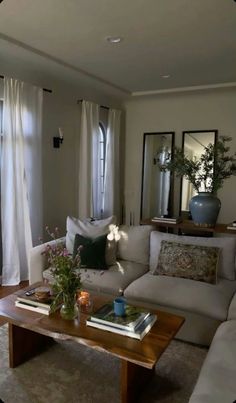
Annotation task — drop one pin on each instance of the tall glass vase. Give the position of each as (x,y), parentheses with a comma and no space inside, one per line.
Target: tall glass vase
(69,309)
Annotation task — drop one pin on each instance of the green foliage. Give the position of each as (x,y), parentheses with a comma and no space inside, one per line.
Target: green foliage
(210,170)
(65,269)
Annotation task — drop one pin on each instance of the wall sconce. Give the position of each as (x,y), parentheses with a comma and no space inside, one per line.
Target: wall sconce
(57,141)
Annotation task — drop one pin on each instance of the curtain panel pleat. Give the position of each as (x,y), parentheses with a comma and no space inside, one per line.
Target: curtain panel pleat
(89,134)
(21,183)
(112,166)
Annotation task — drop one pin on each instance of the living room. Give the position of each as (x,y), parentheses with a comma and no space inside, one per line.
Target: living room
(185,81)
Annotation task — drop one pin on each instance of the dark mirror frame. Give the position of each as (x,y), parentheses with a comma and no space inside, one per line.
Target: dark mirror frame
(181,182)
(171,194)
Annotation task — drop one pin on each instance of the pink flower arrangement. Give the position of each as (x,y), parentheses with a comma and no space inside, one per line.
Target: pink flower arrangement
(65,268)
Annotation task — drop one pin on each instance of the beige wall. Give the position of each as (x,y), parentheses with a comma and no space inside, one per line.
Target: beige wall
(199,110)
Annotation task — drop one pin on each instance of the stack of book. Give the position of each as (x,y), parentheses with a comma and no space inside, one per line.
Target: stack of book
(136,322)
(33,304)
(167,220)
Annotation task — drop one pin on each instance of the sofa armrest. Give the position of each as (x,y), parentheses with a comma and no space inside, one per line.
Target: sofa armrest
(38,262)
(232,308)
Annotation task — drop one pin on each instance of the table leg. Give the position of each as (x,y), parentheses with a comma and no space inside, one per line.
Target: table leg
(24,344)
(133,379)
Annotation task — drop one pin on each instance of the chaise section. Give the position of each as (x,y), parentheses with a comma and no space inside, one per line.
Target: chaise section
(200,303)
(216,382)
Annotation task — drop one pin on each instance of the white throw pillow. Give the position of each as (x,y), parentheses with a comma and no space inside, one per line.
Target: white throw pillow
(92,229)
(226,268)
(134,243)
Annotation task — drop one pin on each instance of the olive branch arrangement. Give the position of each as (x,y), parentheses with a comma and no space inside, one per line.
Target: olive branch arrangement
(209,170)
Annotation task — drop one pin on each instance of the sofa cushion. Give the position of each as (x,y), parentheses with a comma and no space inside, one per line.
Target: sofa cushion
(206,299)
(216,382)
(226,267)
(92,251)
(134,243)
(194,262)
(112,281)
(93,229)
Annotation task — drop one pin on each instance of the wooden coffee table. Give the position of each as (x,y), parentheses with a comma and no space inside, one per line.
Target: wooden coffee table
(30,332)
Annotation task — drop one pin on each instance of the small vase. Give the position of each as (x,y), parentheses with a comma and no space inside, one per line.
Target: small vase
(204,209)
(69,309)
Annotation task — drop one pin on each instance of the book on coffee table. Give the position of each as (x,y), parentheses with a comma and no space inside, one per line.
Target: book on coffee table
(28,300)
(139,332)
(133,317)
(34,308)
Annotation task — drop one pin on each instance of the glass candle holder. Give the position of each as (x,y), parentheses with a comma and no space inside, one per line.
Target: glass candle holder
(84,302)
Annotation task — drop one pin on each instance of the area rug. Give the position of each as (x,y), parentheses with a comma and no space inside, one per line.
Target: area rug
(69,372)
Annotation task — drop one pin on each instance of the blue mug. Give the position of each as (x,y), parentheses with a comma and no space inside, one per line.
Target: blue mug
(119,306)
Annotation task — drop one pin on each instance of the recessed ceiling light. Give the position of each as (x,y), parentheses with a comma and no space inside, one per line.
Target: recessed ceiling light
(165,76)
(114,39)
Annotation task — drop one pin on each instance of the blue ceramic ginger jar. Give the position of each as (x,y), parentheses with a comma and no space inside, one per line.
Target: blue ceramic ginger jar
(204,209)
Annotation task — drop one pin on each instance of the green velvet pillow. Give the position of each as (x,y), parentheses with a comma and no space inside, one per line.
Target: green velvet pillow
(188,261)
(92,253)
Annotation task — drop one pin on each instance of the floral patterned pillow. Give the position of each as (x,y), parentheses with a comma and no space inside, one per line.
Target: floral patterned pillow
(188,261)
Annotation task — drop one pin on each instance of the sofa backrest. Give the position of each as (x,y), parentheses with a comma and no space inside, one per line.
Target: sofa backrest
(134,243)
(226,268)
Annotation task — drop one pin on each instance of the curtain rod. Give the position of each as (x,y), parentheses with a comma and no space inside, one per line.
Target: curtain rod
(101,106)
(44,89)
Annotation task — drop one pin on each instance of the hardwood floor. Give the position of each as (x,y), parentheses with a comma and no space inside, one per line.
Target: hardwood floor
(6,290)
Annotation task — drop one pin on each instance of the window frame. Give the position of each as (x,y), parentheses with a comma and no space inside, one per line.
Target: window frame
(102,155)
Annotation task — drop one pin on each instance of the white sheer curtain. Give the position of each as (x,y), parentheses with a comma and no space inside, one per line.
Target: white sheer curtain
(112,165)
(88,159)
(21,190)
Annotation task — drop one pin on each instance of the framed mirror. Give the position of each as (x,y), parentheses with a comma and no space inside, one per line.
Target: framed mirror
(193,146)
(157,186)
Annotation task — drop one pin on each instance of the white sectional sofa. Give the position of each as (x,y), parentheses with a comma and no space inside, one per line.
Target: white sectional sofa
(204,306)
(216,381)
(209,309)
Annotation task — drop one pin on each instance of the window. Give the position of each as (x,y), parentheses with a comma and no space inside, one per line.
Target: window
(1,115)
(99,172)
(102,155)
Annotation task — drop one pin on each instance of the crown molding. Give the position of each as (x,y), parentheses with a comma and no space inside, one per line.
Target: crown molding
(184,89)
(63,63)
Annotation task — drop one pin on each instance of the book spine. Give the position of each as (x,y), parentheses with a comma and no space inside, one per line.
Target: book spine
(106,323)
(20,304)
(167,220)
(113,329)
(130,327)
(34,303)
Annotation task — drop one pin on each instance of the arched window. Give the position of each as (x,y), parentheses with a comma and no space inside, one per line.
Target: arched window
(102,154)
(1,115)
(100,159)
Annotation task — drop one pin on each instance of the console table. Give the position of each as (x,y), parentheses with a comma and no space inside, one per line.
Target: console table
(188,226)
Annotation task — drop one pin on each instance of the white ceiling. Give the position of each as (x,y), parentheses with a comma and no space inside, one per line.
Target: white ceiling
(192,41)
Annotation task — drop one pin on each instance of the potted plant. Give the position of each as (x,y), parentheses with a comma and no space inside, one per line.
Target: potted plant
(65,269)
(207,175)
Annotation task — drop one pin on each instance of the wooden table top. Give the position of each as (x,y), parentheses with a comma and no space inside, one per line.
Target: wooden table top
(144,353)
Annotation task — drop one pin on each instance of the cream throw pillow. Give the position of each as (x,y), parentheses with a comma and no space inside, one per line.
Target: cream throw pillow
(93,229)
(134,243)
